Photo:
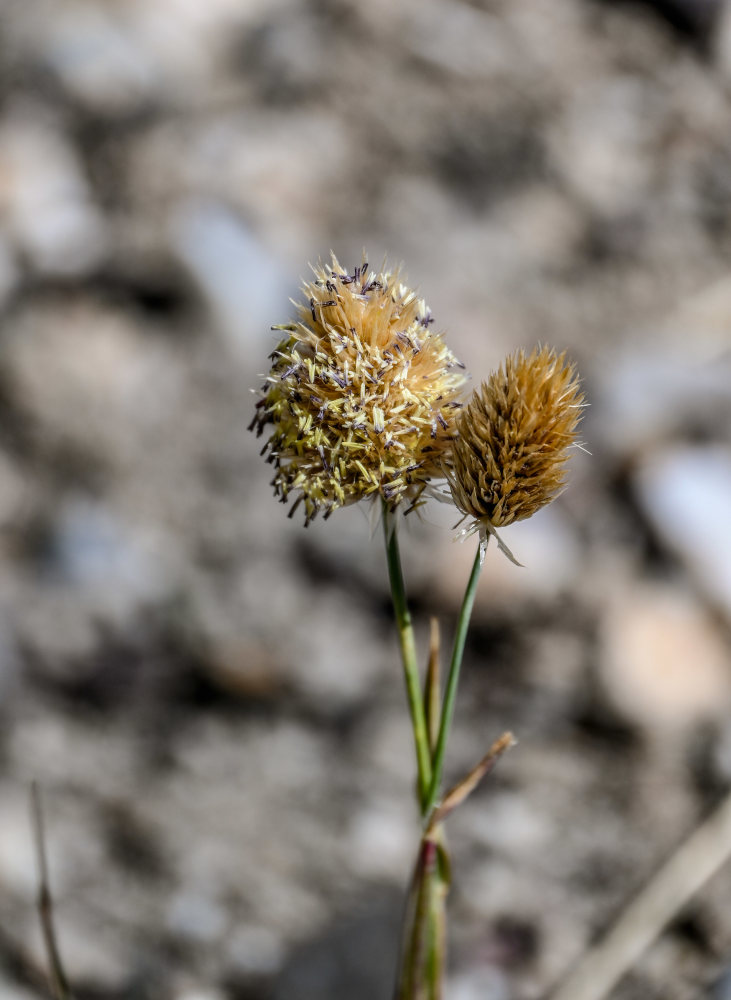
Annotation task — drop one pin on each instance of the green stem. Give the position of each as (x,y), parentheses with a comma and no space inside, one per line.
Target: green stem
(408,657)
(450,694)
(421,969)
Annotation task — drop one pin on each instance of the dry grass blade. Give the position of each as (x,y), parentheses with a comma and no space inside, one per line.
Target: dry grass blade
(694,862)
(59,983)
(456,795)
(432,687)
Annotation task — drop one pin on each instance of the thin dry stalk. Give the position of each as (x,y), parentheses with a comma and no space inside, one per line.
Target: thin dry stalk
(59,983)
(432,687)
(693,863)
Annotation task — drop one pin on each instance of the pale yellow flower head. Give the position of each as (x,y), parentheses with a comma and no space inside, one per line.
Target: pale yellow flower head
(362,395)
(514,435)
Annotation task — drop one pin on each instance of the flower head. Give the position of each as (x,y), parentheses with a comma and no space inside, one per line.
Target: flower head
(362,395)
(513,439)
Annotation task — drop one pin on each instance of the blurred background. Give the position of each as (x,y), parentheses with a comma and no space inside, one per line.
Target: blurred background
(210,695)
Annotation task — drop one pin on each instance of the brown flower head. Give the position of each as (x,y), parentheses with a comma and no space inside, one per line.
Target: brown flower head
(362,395)
(513,439)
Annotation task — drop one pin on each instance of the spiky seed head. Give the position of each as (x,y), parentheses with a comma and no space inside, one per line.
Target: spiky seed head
(362,395)
(513,439)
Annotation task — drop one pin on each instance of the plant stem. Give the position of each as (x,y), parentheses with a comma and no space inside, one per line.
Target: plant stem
(408,658)
(450,694)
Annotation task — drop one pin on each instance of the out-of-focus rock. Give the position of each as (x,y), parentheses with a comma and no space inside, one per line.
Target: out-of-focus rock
(723,42)
(196,918)
(45,197)
(601,144)
(381,839)
(461,40)
(247,286)
(646,397)
(677,374)
(10,662)
(254,951)
(355,957)
(92,948)
(202,993)
(479,984)
(547,546)
(96,573)
(721,989)
(15,490)
(9,271)
(17,863)
(721,754)
(693,19)
(98,59)
(93,380)
(11,991)
(94,552)
(685,493)
(340,658)
(663,664)
(504,821)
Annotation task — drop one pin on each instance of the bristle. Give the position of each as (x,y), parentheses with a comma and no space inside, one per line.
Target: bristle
(514,436)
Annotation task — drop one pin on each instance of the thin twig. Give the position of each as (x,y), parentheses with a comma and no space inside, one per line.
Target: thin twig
(59,983)
(693,863)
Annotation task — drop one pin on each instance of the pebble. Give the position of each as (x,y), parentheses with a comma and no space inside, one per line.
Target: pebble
(663,664)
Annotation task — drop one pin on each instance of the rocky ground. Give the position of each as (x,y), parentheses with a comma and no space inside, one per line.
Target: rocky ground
(209,695)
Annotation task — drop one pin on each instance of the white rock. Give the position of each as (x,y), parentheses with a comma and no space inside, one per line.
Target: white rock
(50,210)
(98,59)
(196,917)
(646,394)
(382,840)
(686,493)
(478,984)
(18,872)
(507,822)
(11,991)
(247,287)
(254,950)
